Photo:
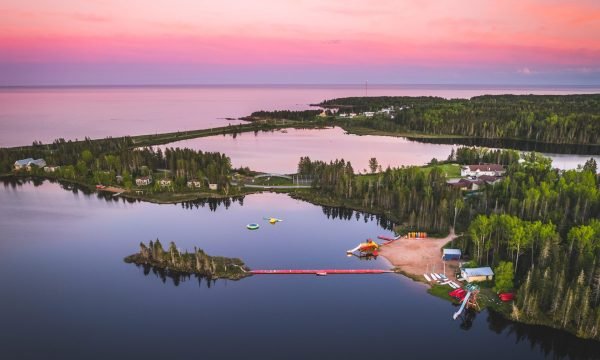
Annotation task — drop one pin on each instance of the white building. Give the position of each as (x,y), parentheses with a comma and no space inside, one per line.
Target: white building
(369,113)
(485,169)
(51,168)
(164,182)
(477,274)
(143,181)
(26,163)
(194,184)
(213,186)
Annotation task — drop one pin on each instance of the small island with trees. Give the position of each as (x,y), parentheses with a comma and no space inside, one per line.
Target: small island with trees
(198,262)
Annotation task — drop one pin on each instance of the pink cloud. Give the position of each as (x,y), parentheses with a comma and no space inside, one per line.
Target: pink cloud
(252,50)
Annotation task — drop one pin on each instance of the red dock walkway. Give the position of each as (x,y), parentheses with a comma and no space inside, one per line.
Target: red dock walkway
(324,271)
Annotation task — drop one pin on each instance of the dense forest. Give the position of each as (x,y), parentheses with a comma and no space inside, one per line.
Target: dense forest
(300,115)
(546,224)
(100,161)
(420,200)
(197,262)
(539,224)
(558,119)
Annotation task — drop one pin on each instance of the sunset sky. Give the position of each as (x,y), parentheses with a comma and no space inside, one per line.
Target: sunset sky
(53,42)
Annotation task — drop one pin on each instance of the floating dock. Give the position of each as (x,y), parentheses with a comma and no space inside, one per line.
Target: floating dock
(321,271)
(387,238)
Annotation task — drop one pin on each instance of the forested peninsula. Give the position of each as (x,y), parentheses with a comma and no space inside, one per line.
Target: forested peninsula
(524,122)
(541,223)
(554,119)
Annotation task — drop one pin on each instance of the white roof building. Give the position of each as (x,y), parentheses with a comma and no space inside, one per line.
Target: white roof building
(477,274)
(26,163)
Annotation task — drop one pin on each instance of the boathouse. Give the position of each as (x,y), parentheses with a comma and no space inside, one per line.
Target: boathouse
(451,254)
(477,274)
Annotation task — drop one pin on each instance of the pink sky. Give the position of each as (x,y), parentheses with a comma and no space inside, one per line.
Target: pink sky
(159,41)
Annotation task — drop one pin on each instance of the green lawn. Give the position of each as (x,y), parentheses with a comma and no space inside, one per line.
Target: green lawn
(451,170)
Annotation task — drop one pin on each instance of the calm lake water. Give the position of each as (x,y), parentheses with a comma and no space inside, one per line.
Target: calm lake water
(280,151)
(66,292)
(45,114)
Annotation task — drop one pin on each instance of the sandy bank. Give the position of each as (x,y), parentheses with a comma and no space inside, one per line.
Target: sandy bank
(418,256)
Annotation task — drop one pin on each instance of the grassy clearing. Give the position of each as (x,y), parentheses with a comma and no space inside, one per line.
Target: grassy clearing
(451,170)
(441,291)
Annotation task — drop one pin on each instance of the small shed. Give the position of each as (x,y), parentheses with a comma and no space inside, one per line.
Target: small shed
(477,274)
(451,254)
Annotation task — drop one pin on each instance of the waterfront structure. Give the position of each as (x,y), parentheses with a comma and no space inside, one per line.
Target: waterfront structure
(164,182)
(143,181)
(27,163)
(194,183)
(477,274)
(51,168)
(451,254)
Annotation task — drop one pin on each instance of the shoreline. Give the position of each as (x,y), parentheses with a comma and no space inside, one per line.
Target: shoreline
(414,257)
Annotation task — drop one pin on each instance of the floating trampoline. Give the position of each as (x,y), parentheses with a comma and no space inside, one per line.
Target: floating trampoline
(252,226)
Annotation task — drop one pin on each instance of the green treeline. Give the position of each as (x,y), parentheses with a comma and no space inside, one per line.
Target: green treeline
(419,199)
(540,223)
(476,155)
(546,223)
(558,119)
(197,262)
(302,115)
(101,161)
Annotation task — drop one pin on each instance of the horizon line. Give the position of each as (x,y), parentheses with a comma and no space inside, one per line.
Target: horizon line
(167,85)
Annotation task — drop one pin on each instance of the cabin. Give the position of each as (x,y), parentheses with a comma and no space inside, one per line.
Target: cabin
(51,169)
(164,182)
(386,111)
(27,163)
(492,180)
(143,181)
(213,186)
(477,274)
(194,183)
(465,184)
(451,254)
(485,169)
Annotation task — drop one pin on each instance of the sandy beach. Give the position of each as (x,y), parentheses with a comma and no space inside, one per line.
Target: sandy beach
(414,257)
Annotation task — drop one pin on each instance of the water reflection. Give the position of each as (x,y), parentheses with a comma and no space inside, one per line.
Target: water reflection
(348,214)
(176,277)
(521,145)
(213,204)
(467,318)
(50,302)
(552,343)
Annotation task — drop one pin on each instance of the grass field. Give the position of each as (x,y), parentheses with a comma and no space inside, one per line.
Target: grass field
(451,170)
